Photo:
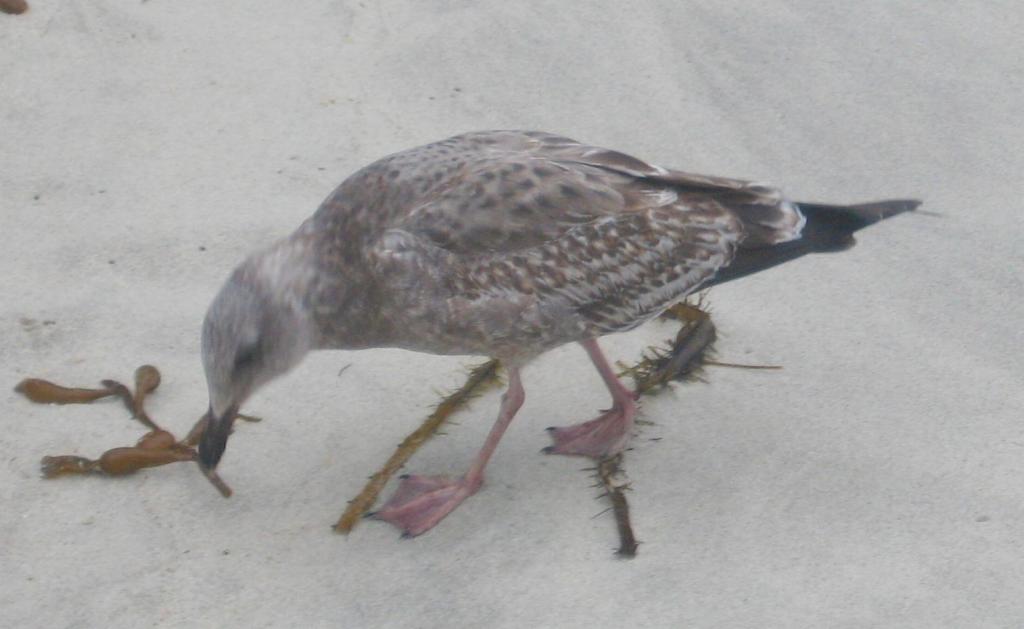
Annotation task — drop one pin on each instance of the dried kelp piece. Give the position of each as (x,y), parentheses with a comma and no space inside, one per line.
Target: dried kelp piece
(114,462)
(157,447)
(157,440)
(147,379)
(14,7)
(480,379)
(193,436)
(54,466)
(124,394)
(122,461)
(45,392)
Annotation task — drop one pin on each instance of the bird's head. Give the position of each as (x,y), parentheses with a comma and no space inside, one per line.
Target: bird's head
(253,333)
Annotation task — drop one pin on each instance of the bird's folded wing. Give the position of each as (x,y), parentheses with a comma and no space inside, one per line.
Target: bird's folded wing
(766,216)
(594,233)
(612,273)
(527,188)
(609,274)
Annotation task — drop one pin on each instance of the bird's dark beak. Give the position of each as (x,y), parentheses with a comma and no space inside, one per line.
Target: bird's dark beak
(215,437)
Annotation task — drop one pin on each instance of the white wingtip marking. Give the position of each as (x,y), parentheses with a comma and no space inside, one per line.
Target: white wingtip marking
(798,230)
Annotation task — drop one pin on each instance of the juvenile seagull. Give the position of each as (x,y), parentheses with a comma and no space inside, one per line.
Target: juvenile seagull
(503,244)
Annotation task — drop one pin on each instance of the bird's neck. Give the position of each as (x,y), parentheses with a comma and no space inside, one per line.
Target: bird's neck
(286,270)
(332,292)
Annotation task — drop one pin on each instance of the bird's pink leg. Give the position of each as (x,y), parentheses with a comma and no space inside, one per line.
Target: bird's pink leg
(608,433)
(422,501)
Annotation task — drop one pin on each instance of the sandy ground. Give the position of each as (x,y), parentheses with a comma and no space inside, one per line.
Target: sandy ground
(877,481)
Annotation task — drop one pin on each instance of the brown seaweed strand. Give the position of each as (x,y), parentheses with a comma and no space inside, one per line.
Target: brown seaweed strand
(659,366)
(480,378)
(54,466)
(691,309)
(691,343)
(655,369)
(607,469)
(128,398)
(45,392)
(147,379)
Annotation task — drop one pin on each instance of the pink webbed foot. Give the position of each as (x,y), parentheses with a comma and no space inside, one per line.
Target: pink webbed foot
(606,435)
(422,501)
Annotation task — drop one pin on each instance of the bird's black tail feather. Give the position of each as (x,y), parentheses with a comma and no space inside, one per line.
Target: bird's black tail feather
(828,228)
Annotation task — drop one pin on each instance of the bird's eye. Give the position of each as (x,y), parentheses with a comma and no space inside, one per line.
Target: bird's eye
(246,357)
